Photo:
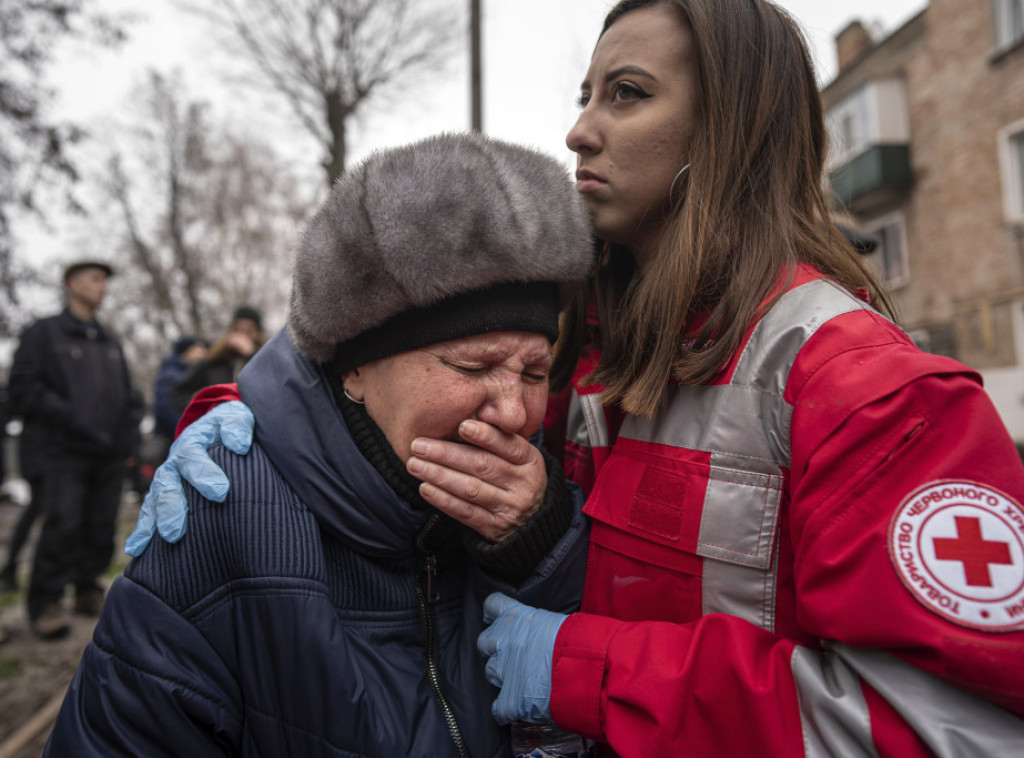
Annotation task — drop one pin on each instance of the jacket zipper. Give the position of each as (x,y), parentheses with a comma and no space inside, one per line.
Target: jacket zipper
(903,442)
(427,596)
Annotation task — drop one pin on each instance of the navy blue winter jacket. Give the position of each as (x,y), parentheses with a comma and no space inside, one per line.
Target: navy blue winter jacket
(289,620)
(166,416)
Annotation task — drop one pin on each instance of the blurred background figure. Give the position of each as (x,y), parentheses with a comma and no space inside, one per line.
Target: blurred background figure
(186,352)
(223,361)
(71,385)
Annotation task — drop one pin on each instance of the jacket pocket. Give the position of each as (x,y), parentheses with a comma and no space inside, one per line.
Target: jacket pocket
(693,535)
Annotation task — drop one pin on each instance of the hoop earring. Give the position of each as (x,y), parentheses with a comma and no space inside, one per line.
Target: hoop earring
(344,390)
(672,187)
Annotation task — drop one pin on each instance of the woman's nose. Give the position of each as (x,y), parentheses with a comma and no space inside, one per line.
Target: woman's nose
(505,406)
(583,137)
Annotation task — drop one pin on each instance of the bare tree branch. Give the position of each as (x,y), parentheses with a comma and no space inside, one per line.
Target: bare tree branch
(34,146)
(203,220)
(328,58)
(144,255)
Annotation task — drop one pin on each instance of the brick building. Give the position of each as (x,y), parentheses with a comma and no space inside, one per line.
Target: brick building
(927,127)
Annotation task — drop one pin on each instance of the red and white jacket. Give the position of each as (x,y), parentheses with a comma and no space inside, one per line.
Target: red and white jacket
(819,554)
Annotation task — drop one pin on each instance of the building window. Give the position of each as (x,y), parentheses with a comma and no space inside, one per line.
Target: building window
(1008,16)
(891,254)
(1011,158)
(875,114)
(849,123)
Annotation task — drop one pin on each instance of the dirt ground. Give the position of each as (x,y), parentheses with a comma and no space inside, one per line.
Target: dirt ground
(35,672)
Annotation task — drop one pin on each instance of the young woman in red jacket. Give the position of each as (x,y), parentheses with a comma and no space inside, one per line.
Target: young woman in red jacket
(807,535)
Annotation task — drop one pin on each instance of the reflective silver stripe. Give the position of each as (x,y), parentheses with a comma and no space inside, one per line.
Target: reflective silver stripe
(740,590)
(743,498)
(576,424)
(834,717)
(741,505)
(951,721)
(717,419)
(714,420)
(586,424)
(778,337)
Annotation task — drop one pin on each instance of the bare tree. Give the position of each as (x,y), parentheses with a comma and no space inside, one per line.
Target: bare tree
(33,145)
(198,219)
(328,58)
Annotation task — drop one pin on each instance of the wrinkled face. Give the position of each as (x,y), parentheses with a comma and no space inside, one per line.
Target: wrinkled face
(499,378)
(88,286)
(632,137)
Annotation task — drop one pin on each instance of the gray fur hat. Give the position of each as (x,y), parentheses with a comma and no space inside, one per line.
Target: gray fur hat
(454,235)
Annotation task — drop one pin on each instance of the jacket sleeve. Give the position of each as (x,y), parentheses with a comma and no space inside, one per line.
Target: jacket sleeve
(556,582)
(877,672)
(166,416)
(148,684)
(515,558)
(192,380)
(30,393)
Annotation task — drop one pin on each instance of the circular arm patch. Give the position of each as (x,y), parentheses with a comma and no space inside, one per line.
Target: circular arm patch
(959,548)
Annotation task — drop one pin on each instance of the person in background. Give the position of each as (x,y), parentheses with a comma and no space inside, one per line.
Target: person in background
(224,359)
(72,387)
(186,352)
(327,607)
(800,523)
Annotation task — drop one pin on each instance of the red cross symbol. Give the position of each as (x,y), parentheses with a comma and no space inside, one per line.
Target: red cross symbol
(974,552)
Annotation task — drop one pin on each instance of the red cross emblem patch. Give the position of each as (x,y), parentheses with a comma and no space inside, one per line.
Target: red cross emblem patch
(959,548)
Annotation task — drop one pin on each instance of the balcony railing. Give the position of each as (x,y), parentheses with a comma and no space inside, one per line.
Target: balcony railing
(878,176)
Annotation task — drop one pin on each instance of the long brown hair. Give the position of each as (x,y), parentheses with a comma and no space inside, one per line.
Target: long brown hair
(751,206)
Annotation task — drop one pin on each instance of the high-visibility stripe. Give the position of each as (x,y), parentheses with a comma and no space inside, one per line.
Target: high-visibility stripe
(925,702)
(833,712)
(586,425)
(741,513)
(739,590)
(716,419)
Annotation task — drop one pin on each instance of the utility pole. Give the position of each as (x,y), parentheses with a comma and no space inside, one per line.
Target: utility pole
(475,39)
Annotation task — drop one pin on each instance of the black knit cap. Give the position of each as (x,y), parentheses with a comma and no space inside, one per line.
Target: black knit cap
(515,307)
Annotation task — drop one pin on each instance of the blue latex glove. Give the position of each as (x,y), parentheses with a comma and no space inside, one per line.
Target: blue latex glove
(165,508)
(519,645)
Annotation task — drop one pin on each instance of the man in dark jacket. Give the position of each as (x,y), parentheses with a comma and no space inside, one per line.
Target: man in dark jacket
(70,384)
(326,607)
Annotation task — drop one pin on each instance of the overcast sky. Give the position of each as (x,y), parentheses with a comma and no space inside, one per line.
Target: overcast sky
(535,54)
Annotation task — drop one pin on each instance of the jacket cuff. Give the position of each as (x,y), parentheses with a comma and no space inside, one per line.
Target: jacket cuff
(578,671)
(515,557)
